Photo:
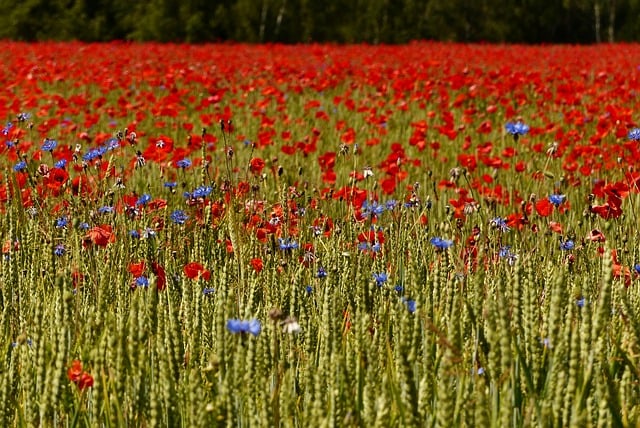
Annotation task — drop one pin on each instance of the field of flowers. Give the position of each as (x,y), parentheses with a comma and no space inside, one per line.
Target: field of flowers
(234,235)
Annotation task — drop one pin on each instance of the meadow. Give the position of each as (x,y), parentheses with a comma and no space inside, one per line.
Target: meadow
(319,235)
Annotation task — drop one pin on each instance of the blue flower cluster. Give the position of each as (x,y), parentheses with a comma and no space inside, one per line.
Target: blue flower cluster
(287,244)
(252,326)
(634,134)
(516,128)
(440,243)
(179,217)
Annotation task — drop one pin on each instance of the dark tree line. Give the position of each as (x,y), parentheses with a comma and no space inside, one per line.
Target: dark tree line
(343,21)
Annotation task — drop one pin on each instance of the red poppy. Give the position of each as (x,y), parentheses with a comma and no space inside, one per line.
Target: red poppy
(256,165)
(136,269)
(77,375)
(195,270)
(99,235)
(257,264)
(544,207)
(160,273)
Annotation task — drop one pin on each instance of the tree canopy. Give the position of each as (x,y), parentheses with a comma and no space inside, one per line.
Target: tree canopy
(341,21)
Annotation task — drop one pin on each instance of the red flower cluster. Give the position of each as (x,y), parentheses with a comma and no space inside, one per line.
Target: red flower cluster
(77,375)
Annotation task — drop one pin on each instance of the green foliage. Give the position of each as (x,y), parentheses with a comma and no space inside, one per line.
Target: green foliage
(294,21)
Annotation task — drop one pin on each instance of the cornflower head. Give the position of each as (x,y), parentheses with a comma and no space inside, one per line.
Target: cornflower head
(200,192)
(62,222)
(20,166)
(567,245)
(440,243)
(506,253)
(252,326)
(142,281)
(94,154)
(179,217)
(48,145)
(634,134)
(411,305)
(557,199)
(59,250)
(391,204)
(380,278)
(142,200)
(183,163)
(287,244)
(516,129)
(23,117)
(500,224)
(322,273)
(372,209)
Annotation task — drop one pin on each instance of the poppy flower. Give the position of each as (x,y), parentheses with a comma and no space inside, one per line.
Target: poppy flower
(99,235)
(195,270)
(77,375)
(257,264)
(161,275)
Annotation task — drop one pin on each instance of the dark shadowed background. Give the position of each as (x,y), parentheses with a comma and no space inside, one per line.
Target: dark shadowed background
(342,21)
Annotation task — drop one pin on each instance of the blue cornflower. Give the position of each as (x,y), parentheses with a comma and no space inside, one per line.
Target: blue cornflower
(183,163)
(179,217)
(634,134)
(500,224)
(23,117)
(244,326)
(287,244)
(567,245)
(83,226)
(557,199)
(142,200)
(208,291)
(441,244)
(7,129)
(106,210)
(391,204)
(111,144)
(506,253)
(62,222)
(637,268)
(59,250)
(201,192)
(321,273)
(48,145)
(170,184)
(372,209)
(93,154)
(20,166)
(399,288)
(516,129)
(411,305)
(308,289)
(134,234)
(380,278)
(142,281)
(412,203)
(581,302)
(60,164)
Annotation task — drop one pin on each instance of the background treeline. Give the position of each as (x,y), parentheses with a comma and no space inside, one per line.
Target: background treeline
(292,21)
